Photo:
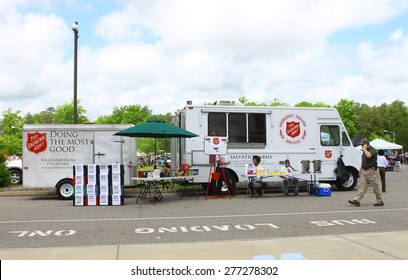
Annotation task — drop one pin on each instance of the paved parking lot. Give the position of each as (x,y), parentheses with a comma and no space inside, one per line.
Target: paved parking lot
(241,228)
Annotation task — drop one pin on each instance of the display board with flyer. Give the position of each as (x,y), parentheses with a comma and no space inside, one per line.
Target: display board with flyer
(214,145)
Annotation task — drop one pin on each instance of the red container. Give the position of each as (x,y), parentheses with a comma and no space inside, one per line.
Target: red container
(215,176)
(184,167)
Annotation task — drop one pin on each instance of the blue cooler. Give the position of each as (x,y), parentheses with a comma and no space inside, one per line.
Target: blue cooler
(322,190)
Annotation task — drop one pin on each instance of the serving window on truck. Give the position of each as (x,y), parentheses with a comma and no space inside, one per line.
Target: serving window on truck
(242,127)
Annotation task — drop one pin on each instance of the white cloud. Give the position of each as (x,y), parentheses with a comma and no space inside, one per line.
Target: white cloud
(31,59)
(163,53)
(397,34)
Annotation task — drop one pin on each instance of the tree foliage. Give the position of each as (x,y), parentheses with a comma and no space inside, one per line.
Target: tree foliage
(316,105)
(346,109)
(64,114)
(11,127)
(359,119)
(129,114)
(5,178)
(43,117)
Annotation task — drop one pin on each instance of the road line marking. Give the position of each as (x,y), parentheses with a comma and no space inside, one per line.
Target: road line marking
(205,217)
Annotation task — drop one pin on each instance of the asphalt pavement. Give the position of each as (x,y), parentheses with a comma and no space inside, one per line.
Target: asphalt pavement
(356,246)
(367,246)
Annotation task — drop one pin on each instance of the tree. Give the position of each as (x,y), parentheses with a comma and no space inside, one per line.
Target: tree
(366,119)
(346,109)
(129,114)
(5,178)
(396,120)
(146,145)
(64,114)
(246,102)
(44,117)
(316,105)
(163,144)
(372,121)
(11,127)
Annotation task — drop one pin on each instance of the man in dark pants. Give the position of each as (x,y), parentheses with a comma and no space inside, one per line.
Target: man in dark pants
(382,164)
(256,184)
(368,175)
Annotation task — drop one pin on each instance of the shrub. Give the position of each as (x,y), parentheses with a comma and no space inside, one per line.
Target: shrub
(5,178)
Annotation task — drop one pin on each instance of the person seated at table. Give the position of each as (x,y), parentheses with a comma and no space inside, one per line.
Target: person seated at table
(256,184)
(288,178)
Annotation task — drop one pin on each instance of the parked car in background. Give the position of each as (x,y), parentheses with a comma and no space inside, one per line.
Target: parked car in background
(15,166)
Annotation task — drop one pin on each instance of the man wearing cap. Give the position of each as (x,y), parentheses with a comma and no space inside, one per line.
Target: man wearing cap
(289,170)
(368,175)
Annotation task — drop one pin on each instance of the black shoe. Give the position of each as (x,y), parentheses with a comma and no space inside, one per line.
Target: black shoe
(384,191)
(286,194)
(379,203)
(354,202)
(295,194)
(259,193)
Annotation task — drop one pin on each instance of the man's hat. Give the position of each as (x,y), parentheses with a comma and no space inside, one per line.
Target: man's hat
(364,141)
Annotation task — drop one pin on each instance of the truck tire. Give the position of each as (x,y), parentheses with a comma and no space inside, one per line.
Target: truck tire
(349,184)
(16,176)
(65,189)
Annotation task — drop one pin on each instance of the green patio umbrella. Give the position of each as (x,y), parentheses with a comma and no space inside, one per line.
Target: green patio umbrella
(156,129)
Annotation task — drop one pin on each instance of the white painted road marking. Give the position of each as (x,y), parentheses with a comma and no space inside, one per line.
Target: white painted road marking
(206,217)
(22,233)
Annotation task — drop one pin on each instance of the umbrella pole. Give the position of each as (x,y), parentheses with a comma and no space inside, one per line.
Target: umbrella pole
(155,156)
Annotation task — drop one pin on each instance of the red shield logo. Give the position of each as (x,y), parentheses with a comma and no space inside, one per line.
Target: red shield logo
(216,141)
(328,153)
(36,142)
(293,129)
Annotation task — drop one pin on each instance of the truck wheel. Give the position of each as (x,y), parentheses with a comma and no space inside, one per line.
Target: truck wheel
(65,189)
(16,177)
(350,183)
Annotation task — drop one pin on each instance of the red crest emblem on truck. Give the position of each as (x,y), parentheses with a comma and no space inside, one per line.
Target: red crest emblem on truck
(36,142)
(216,141)
(292,129)
(328,153)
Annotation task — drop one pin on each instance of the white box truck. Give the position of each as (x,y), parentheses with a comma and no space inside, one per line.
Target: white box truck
(51,150)
(313,139)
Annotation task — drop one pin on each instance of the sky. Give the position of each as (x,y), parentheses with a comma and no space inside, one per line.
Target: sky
(161,53)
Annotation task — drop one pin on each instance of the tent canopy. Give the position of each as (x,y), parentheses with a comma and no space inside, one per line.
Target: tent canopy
(156,129)
(382,144)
